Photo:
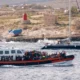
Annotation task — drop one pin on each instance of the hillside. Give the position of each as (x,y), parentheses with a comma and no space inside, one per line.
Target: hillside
(11,18)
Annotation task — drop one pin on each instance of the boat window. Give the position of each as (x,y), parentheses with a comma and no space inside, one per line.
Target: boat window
(6,52)
(1,52)
(19,52)
(13,51)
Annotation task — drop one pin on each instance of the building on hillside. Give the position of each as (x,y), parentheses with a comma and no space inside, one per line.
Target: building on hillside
(50,18)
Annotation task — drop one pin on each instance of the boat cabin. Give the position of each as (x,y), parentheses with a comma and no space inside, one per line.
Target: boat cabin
(10,53)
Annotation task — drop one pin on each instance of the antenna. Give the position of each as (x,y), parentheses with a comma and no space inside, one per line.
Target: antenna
(69,19)
(77,4)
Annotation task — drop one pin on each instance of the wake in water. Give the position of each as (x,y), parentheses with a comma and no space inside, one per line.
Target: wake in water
(41,65)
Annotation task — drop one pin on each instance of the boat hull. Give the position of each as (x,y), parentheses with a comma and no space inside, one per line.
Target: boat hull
(61,47)
(64,63)
(37,62)
(15,32)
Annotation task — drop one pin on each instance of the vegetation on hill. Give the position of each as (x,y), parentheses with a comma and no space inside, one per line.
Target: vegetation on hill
(11,18)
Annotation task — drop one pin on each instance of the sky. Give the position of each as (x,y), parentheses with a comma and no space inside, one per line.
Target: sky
(11,1)
(2,2)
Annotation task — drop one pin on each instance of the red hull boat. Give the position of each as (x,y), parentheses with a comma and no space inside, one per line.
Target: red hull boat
(37,62)
(21,57)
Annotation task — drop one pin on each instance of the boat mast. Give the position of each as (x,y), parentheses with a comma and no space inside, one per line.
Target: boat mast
(77,4)
(69,19)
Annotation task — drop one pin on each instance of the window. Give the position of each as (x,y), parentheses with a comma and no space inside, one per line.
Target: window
(19,52)
(6,52)
(13,51)
(1,52)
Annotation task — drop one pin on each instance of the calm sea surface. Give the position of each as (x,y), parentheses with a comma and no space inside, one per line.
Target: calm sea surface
(45,72)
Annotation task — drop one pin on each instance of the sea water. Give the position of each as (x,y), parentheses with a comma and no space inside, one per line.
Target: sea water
(40,72)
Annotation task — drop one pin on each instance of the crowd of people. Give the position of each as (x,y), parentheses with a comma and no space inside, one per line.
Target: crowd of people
(35,55)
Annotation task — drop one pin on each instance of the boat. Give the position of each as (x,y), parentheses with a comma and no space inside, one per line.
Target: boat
(15,32)
(61,44)
(58,44)
(66,46)
(21,57)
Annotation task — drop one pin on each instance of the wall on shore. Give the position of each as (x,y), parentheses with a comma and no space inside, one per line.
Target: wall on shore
(36,39)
